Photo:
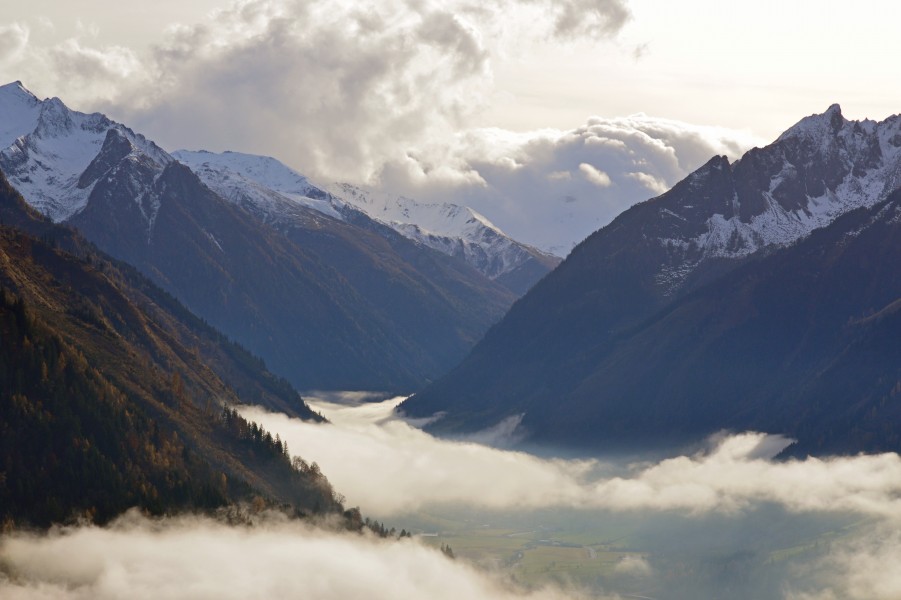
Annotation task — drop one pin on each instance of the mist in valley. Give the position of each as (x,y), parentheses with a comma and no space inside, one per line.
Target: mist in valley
(727,521)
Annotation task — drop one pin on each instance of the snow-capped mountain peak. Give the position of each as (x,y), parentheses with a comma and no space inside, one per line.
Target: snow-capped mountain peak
(816,126)
(817,170)
(20,109)
(53,155)
(436,218)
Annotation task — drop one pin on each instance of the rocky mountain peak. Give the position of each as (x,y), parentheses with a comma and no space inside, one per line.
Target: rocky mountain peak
(55,119)
(115,148)
(20,110)
(828,123)
(16,92)
(820,168)
(55,155)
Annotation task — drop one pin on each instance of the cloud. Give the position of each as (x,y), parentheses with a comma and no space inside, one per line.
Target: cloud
(595,175)
(552,188)
(382,93)
(389,467)
(633,565)
(75,67)
(200,558)
(333,87)
(714,517)
(587,18)
(100,72)
(13,40)
(864,567)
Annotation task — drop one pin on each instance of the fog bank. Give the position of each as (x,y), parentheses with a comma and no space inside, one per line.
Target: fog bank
(188,558)
(387,466)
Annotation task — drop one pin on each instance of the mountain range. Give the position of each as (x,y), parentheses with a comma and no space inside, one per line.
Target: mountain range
(757,294)
(329,298)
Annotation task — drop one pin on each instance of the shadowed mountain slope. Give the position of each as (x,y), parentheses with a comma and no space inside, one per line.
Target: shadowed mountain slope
(701,309)
(112,394)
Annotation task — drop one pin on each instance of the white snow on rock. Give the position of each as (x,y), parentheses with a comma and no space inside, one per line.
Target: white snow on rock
(866,155)
(275,191)
(452,229)
(45,147)
(260,183)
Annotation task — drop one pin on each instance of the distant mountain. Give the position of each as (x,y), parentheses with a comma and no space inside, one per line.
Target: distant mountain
(712,307)
(112,392)
(457,231)
(327,303)
(276,192)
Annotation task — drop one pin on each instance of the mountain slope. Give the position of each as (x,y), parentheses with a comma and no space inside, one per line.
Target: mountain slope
(547,356)
(105,407)
(326,303)
(241,371)
(802,342)
(278,192)
(456,231)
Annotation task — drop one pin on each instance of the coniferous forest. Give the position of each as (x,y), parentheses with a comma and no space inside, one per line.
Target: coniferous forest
(113,396)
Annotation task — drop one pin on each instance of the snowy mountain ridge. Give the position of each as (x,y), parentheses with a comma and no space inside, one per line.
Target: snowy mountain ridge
(259,183)
(819,169)
(453,229)
(275,191)
(43,152)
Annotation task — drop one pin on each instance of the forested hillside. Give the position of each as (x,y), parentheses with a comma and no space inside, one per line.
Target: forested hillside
(109,400)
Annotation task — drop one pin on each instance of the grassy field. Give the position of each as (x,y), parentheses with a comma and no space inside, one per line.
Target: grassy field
(543,549)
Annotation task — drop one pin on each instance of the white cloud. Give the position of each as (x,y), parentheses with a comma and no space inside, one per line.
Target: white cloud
(86,74)
(534,185)
(586,18)
(595,175)
(13,40)
(193,558)
(389,467)
(385,465)
(386,94)
(333,87)
(633,564)
(864,567)
(98,73)
(734,486)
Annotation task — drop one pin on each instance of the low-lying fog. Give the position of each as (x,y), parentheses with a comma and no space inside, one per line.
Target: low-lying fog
(726,522)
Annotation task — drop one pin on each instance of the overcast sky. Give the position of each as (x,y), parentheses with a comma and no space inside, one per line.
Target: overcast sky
(549,116)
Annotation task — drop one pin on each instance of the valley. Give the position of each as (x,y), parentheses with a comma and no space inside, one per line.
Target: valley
(528,300)
(603,529)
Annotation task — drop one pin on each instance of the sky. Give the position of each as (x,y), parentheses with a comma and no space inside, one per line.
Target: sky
(550,117)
